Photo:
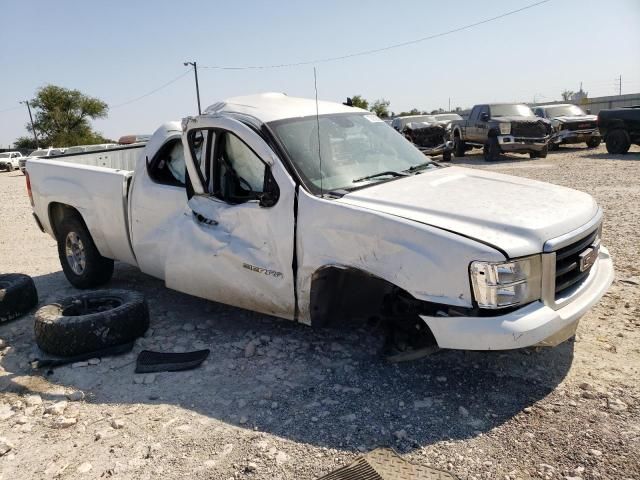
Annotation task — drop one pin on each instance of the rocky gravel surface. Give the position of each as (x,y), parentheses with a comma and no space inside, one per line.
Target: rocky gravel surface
(276,400)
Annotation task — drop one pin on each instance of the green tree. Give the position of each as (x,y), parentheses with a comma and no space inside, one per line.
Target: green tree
(61,117)
(381,107)
(567,94)
(360,102)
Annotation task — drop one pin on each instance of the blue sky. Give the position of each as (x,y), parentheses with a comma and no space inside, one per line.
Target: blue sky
(120,50)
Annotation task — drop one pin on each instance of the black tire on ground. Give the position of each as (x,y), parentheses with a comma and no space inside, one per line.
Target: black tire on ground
(491,150)
(594,142)
(618,141)
(459,148)
(91,321)
(541,154)
(18,295)
(9,167)
(553,146)
(446,156)
(81,261)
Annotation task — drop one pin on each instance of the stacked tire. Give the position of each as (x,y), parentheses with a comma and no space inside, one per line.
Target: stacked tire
(18,295)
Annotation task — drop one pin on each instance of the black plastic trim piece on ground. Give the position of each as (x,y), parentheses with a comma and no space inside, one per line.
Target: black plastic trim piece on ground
(55,361)
(149,361)
(18,295)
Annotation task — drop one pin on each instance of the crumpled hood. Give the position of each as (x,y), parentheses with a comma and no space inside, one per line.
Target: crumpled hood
(514,214)
(518,118)
(577,118)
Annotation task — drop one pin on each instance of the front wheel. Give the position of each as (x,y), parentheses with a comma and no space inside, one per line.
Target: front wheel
(446,156)
(539,154)
(9,167)
(81,261)
(459,148)
(593,142)
(491,150)
(618,141)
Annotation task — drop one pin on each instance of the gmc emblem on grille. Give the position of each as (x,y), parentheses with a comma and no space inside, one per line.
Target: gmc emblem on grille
(588,257)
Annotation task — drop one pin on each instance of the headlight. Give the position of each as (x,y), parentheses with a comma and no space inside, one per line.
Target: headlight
(505,128)
(505,284)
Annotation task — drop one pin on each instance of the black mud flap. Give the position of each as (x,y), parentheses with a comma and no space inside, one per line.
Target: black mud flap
(46,360)
(386,464)
(149,361)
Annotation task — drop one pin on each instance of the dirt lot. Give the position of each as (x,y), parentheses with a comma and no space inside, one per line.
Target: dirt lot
(305,402)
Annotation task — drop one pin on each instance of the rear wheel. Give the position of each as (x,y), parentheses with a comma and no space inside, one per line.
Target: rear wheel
(459,147)
(81,261)
(618,141)
(593,142)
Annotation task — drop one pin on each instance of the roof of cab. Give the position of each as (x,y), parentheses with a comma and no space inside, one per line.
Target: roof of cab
(268,107)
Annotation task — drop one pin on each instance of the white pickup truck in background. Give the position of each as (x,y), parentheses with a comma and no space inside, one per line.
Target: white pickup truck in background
(10,160)
(316,212)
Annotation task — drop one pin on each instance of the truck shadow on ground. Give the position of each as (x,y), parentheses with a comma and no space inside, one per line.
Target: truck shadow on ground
(326,387)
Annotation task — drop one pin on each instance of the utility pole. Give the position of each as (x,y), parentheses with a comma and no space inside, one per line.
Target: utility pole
(449,103)
(619,84)
(33,127)
(195,71)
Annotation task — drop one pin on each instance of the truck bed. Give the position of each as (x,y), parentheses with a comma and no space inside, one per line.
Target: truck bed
(96,184)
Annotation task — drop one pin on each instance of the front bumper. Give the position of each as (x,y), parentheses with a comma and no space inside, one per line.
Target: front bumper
(437,150)
(533,324)
(509,143)
(575,136)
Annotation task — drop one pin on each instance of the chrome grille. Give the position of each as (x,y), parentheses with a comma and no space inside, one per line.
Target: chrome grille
(568,271)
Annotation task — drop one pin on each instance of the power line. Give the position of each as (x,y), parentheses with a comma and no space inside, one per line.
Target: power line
(111,107)
(10,109)
(378,50)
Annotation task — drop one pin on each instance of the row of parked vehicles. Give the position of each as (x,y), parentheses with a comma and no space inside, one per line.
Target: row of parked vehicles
(506,127)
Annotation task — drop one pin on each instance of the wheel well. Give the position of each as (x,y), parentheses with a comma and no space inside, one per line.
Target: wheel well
(339,293)
(60,211)
(456,133)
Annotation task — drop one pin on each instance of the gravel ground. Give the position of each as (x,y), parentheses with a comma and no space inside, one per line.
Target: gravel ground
(277,400)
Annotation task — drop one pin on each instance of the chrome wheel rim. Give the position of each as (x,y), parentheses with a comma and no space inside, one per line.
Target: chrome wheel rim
(74,250)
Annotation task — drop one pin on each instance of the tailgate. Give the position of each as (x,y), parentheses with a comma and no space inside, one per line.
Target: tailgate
(98,193)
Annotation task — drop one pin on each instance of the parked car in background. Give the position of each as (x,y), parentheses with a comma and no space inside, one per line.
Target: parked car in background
(620,127)
(432,136)
(317,212)
(42,153)
(502,127)
(570,125)
(400,122)
(130,139)
(10,160)
(89,148)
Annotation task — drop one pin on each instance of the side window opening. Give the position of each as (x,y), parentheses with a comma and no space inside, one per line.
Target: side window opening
(239,173)
(168,166)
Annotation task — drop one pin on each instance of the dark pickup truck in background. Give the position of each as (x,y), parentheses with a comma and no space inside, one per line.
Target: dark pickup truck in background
(502,127)
(570,125)
(620,127)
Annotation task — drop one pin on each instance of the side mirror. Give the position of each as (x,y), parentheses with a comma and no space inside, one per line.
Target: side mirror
(271,193)
(484,116)
(588,111)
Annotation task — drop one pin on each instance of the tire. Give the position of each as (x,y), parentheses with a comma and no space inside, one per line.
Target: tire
(18,295)
(459,148)
(552,147)
(594,142)
(446,156)
(491,150)
(541,154)
(9,167)
(81,261)
(91,321)
(618,141)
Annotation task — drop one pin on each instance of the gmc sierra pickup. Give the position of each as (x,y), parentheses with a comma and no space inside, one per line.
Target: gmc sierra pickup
(502,127)
(570,125)
(315,212)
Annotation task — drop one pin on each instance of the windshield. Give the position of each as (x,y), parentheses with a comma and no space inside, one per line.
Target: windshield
(4,155)
(448,116)
(511,110)
(352,146)
(564,110)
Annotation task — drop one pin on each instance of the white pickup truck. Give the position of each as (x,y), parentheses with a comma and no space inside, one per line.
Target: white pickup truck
(316,212)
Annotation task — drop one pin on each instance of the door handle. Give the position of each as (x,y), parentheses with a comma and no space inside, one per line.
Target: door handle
(202,219)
